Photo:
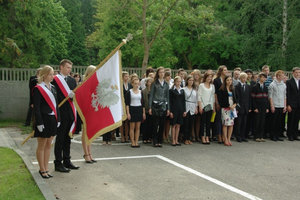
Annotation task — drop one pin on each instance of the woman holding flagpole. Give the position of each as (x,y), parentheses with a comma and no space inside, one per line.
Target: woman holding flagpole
(87,148)
(47,117)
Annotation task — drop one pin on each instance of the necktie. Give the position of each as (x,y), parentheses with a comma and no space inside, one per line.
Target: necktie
(262,87)
(66,79)
(244,87)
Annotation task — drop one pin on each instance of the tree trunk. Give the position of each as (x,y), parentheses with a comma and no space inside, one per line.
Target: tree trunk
(145,38)
(284,32)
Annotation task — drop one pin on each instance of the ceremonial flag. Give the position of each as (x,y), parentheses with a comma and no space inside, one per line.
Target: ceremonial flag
(99,100)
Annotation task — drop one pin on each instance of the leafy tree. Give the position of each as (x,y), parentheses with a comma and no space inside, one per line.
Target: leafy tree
(32,31)
(77,52)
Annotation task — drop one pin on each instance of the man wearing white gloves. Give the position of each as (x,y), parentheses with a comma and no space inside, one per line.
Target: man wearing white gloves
(64,85)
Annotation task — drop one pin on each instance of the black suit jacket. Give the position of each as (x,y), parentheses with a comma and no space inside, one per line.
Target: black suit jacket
(292,94)
(223,98)
(243,98)
(125,91)
(32,83)
(177,100)
(65,109)
(41,107)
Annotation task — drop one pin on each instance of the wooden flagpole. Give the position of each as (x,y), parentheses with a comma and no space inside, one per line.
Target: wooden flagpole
(124,41)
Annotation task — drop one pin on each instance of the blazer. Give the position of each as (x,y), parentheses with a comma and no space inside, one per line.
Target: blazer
(32,83)
(177,100)
(65,109)
(159,93)
(259,98)
(41,107)
(125,91)
(217,84)
(292,94)
(223,98)
(243,98)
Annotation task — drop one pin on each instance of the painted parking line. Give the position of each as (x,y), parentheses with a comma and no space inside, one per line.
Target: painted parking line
(188,169)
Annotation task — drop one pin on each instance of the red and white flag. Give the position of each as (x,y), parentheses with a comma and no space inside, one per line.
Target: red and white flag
(99,100)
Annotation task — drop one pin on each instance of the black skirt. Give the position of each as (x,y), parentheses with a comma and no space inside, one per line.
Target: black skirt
(136,113)
(50,125)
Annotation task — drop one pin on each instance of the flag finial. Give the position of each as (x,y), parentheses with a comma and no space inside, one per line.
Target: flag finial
(128,38)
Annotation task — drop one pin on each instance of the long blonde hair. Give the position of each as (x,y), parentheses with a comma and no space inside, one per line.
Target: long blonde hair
(44,72)
(89,69)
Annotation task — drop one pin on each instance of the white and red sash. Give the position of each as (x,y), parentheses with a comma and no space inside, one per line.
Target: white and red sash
(63,86)
(48,96)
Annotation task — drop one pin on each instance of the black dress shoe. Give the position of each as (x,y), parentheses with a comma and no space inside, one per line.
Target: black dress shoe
(244,140)
(61,168)
(297,139)
(291,139)
(70,166)
(238,140)
(279,139)
(274,139)
(25,124)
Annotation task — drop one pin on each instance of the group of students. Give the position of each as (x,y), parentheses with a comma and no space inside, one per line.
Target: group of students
(243,106)
(192,104)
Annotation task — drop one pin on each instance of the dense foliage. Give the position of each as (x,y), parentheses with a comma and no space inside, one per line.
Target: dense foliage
(172,33)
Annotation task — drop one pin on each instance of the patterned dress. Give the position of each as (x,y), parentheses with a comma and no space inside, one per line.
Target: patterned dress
(227,113)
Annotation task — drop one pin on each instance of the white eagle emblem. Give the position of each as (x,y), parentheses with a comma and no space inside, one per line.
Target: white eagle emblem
(105,95)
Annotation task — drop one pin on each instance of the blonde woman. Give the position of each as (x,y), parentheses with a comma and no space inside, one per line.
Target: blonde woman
(135,111)
(47,117)
(87,148)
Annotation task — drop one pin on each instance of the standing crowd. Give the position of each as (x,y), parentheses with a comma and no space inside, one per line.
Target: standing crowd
(194,107)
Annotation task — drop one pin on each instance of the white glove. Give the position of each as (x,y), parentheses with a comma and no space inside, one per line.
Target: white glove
(58,124)
(40,128)
(71,94)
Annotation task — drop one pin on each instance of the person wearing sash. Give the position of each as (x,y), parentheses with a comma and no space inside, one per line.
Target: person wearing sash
(64,85)
(47,117)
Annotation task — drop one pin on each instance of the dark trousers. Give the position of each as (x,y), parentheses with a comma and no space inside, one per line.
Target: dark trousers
(147,127)
(29,115)
(78,124)
(158,122)
(249,126)
(188,124)
(217,124)
(205,120)
(107,137)
(259,123)
(240,124)
(276,124)
(293,121)
(63,142)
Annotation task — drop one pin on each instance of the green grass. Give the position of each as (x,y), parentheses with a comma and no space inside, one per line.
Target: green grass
(16,123)
(16,181)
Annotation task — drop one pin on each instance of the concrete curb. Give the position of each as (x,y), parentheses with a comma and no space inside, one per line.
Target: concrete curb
(7,141)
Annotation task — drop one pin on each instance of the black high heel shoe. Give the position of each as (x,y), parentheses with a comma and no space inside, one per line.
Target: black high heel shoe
(92,159)
(87,161)
(50,176)
(44,176)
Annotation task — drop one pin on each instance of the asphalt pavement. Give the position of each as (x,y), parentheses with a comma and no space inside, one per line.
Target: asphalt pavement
(252,170)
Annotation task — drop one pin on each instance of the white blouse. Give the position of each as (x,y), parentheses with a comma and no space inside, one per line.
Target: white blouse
(191,102)
(206,95)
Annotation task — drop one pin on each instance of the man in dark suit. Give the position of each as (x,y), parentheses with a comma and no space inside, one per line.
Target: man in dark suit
(293,104)
(243,97)
(63,140)
(32,83)
(260,106)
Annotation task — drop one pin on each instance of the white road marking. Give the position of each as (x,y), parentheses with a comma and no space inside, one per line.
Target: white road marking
(208,178)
